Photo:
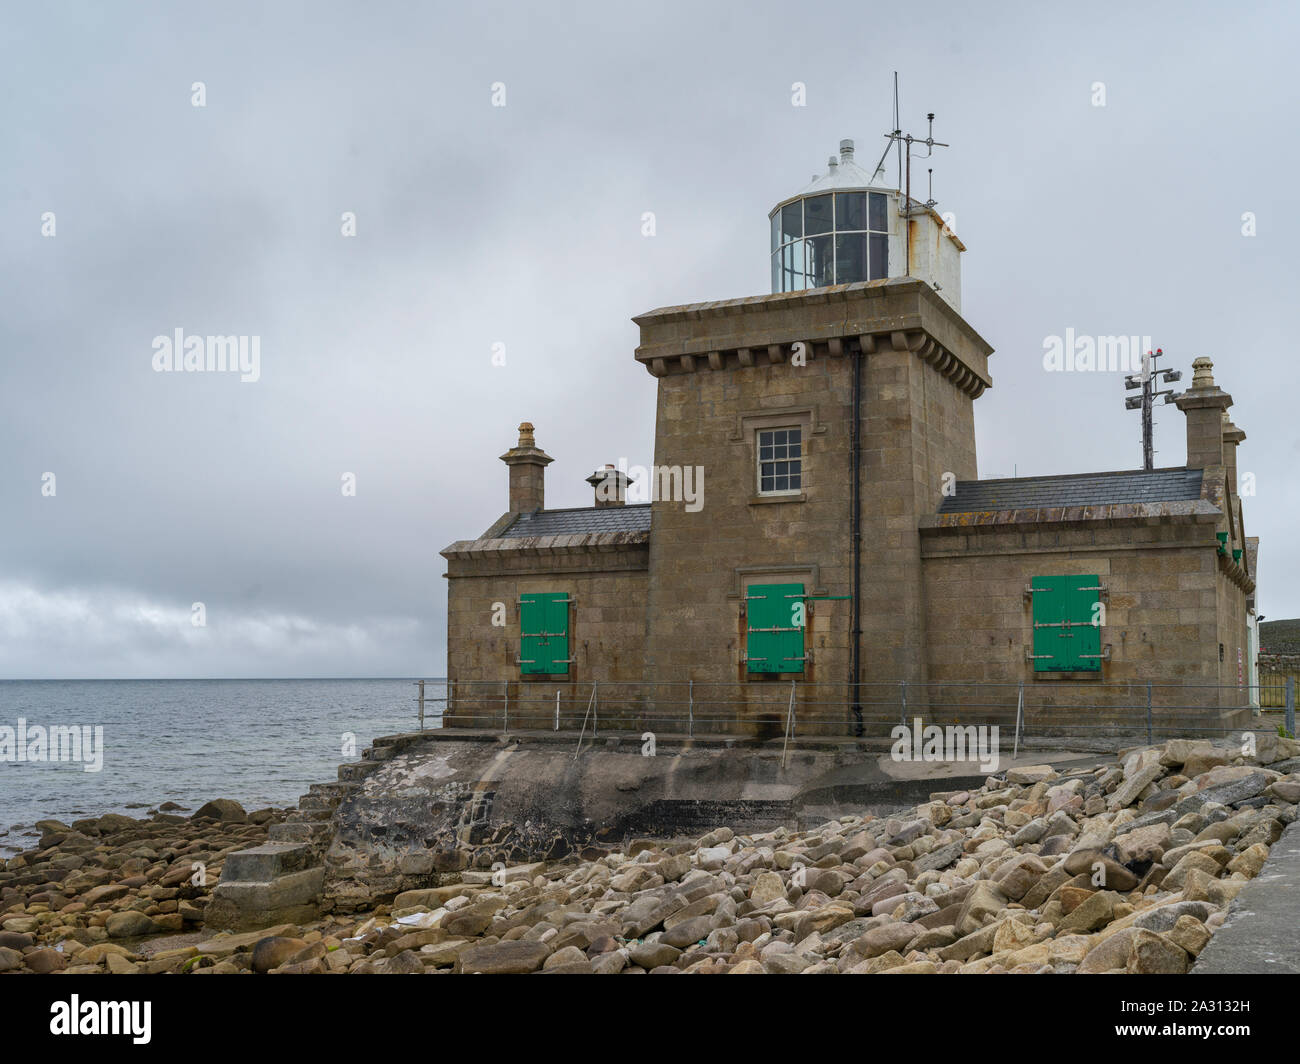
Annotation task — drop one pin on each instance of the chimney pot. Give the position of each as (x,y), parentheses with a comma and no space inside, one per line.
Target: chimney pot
(610,484)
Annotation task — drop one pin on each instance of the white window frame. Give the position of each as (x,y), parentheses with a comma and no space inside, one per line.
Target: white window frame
(758,458)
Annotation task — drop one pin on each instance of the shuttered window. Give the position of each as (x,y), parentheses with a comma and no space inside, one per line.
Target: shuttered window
(544,633)
(1067,635)
(773,642)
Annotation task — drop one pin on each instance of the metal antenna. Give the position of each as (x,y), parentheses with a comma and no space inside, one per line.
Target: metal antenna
(901,138)
(898,131)
(1146,380)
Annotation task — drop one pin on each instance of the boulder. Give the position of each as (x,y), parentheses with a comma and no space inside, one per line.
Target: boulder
(227,810)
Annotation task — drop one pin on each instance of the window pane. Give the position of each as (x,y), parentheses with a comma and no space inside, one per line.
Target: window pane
(792,221)
(793,278)
(821,263)
(776,230)
(850,210)
(850,257)
(879,222)
(796,438)
(817,214)
(879,256)
(776,272)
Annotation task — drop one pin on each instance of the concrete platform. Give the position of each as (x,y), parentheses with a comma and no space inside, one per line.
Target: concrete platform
(1262,932)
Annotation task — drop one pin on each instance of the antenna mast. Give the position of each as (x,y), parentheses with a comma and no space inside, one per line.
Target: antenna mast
(901,138)
(1146,380)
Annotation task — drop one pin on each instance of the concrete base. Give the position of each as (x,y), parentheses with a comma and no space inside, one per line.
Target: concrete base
(1261,934)
(452,799)
(263,885)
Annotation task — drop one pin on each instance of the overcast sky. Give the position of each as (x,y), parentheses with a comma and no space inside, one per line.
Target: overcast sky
(522,225)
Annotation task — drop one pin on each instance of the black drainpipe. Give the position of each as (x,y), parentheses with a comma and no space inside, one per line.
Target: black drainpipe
(856,545)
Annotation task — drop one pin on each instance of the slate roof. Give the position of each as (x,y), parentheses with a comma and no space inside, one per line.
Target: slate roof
(635,518)
(1076,489)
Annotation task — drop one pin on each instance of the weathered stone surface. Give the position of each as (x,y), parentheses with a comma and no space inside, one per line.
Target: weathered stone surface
(503,958)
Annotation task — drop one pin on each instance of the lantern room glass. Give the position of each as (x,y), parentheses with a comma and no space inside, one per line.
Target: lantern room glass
(830,238)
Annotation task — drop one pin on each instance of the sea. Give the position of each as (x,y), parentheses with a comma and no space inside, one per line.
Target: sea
(260,742)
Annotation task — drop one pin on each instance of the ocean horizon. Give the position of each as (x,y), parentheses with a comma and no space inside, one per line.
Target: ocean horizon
(262,742)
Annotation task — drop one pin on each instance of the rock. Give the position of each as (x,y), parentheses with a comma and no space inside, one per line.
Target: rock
(1153,954)
(43,961)
(130,924)
(1031,774)
(610,963)
(688,932)
(471,920)
(274,951)
(113,822)
(15,940)
(1162,918)
(1189,935)
(981,904)
(105,892)
(567,955)
(653,954)
(1285,790)
(1146,844)
(939,858)
(1109,953)
(1225,793)
(768,886)
(1016,877)
(405,963)
(9,959)
(503,958)
(1095,912)
(1111,873)
(226,810)
(1193,859)
(1126,793)
(882,939)
(1250,860)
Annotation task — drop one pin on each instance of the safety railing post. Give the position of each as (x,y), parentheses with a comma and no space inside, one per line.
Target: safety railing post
(557,710)
(421,686)
(505,708)
(902,717)
(690,709)
(1020,711)
(1148,714)
(595,710)
(1290,705)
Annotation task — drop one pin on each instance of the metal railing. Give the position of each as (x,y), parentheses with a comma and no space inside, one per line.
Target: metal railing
(786,710)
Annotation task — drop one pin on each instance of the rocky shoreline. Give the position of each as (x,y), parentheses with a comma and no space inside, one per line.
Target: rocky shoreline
(1129,867)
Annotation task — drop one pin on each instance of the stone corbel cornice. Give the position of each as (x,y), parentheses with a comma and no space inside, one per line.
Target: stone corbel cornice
(833,322)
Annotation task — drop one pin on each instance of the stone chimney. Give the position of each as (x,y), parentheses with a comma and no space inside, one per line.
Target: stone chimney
(527,464)
(611,486)
(1231,437)
(1205,405)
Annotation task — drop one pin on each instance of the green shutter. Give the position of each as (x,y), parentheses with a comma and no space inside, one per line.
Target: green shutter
(1065,637)
(544,633)
(773,642)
